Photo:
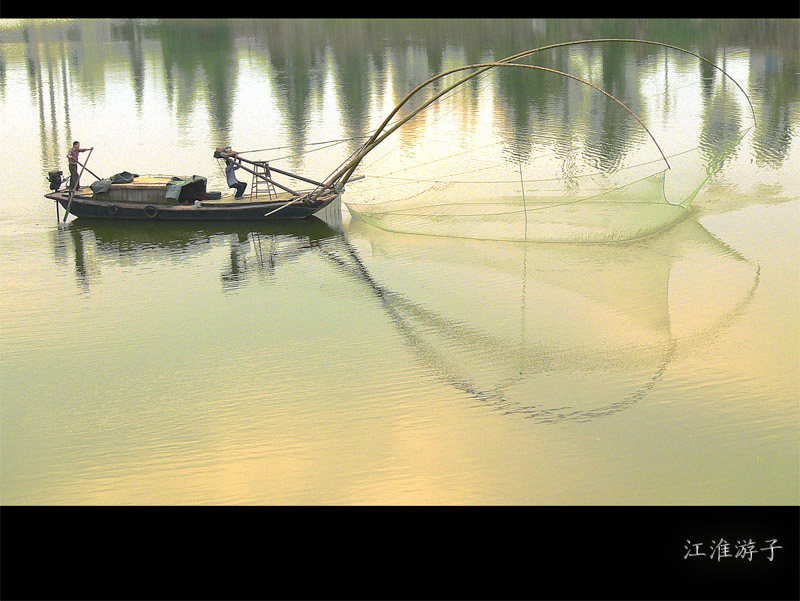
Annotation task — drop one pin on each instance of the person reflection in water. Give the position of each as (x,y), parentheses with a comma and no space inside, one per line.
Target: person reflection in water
(72,156)
(232,181)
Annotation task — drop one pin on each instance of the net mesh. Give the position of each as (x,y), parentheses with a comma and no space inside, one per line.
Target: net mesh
(593,208)
(532,156)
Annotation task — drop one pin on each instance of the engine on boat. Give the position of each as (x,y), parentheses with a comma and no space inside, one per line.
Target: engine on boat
(55,177)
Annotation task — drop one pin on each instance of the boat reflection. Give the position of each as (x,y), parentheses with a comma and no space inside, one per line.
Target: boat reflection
(254,248)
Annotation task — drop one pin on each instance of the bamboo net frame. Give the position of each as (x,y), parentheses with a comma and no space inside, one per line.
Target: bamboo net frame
(345,172)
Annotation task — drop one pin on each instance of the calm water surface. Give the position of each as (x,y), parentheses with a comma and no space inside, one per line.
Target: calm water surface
(312,363)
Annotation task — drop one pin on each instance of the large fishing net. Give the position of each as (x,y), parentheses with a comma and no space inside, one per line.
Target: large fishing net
(616,152)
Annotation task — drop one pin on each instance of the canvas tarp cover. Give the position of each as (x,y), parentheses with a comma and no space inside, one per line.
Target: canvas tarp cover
(102,185)
(175,186)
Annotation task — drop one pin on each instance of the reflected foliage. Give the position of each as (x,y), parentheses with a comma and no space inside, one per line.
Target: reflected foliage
(200,59)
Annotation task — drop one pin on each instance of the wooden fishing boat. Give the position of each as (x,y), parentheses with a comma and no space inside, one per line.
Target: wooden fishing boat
(122,204)
(185,198)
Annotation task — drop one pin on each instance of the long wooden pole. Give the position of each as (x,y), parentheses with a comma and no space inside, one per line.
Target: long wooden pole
(72,188)
(299,199)
(280,208)
(268,180)
(224,154)
(89,170)
(271,168)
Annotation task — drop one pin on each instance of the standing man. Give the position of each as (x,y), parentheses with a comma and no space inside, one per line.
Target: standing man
(232,181)
(72,156)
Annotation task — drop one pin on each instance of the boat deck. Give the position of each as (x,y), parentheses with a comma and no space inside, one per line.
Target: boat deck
(229,198)
(85,192)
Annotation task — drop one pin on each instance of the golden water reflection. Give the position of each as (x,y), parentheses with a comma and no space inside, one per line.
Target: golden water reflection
(509,325)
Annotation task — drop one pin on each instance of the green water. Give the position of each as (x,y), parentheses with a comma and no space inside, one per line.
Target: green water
(315,364)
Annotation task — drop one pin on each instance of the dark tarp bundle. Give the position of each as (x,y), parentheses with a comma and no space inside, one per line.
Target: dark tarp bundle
(103,185)
(177,184)
(124,177)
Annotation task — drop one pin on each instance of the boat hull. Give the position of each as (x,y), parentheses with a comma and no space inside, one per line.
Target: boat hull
(203,211)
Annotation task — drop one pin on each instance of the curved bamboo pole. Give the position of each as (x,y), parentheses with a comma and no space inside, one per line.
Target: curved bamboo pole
(636,41)
(345,172)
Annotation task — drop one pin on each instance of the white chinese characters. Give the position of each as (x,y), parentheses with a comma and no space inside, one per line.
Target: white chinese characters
(722,549)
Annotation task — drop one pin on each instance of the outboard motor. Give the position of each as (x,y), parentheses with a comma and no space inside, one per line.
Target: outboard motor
(55,177)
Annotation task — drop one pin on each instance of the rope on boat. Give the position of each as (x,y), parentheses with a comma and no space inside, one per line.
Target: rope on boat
(332,142)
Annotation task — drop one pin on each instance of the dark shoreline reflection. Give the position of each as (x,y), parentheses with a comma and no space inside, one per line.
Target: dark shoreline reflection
(496,369)
(200,66)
